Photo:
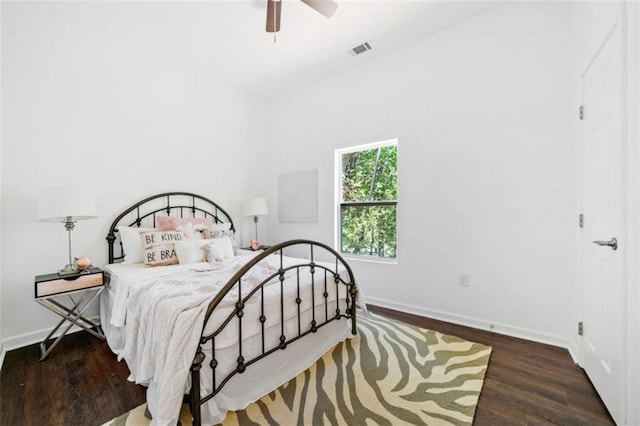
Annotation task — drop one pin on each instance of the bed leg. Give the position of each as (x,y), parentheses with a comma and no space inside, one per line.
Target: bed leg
(353,292)
(195,386)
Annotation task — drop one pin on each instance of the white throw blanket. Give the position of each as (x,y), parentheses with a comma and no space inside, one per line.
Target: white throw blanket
(164,321)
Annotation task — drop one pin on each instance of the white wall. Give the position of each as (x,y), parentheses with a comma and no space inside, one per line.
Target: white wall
(90,107)
(482,112)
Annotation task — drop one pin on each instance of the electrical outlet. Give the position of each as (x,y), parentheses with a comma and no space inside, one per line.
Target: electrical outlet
(465,279)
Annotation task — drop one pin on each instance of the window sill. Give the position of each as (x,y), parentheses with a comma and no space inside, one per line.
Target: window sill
(370,259)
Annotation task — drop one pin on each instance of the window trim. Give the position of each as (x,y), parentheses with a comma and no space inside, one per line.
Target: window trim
(369,203)
(338,203)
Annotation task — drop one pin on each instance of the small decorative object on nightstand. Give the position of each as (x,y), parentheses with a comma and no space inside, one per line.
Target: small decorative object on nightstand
(255,247)
(83,263)
(81,288)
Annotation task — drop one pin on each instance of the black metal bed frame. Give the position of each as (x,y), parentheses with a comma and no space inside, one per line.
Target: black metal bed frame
(196,206)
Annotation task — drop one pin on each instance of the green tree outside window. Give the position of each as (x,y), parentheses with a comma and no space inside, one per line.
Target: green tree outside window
(368,207)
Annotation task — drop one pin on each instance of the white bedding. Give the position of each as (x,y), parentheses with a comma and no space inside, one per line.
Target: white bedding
(152,318)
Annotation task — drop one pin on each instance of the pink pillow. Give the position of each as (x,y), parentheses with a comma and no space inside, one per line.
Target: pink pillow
(170,223)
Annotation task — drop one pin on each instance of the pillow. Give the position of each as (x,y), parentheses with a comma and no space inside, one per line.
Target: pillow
(191,231)
(226,233)
(160,255)
(191,251)
(170,223)
(233,236)
(131,244)
(216,227)
(159,247)
(219,250)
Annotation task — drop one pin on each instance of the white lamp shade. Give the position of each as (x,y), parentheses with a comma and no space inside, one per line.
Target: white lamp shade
(57,204)
(255,206)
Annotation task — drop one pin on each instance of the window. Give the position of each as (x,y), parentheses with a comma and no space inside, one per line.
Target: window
(367,198)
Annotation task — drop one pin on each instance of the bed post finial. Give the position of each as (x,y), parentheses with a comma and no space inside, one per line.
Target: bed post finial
(111,237)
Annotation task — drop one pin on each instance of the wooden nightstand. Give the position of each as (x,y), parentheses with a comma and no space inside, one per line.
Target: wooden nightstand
(81,289)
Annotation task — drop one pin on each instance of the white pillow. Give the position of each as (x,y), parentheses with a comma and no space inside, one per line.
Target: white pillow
(190,251)
(212,231)
(131,244)
(222,233)
(219,250)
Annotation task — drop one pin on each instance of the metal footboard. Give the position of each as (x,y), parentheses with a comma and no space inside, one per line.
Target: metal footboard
(338,275)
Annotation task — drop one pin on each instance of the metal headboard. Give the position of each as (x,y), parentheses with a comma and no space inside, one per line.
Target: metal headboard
(178,204)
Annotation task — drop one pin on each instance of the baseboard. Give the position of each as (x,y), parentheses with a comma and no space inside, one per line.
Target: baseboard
(31,338)
(507,330)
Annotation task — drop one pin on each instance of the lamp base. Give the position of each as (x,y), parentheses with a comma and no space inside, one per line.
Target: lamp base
(68,270)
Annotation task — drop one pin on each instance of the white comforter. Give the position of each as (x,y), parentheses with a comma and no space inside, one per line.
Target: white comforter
(163,319)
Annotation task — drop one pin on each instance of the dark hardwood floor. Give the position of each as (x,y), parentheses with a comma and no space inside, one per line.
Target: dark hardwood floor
(81,383)
(527,383)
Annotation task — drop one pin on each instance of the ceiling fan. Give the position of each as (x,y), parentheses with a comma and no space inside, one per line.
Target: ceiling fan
(324,7)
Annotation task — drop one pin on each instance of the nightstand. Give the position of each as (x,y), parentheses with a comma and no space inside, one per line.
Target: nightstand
(259,248)
(69,296)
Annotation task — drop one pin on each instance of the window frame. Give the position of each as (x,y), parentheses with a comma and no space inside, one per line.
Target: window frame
(339,203)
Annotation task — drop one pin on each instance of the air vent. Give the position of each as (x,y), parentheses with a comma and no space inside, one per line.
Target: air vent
(360,49)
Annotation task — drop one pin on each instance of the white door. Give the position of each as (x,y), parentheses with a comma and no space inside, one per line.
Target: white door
(603,305)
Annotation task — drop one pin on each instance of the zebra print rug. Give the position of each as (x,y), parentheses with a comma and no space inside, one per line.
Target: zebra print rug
(390,374)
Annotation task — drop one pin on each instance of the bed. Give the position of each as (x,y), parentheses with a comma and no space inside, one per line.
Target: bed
(224,331)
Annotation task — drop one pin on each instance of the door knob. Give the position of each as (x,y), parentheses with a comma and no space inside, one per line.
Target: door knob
(613,243)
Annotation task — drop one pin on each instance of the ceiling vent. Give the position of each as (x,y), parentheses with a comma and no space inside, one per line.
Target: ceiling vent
(360,49)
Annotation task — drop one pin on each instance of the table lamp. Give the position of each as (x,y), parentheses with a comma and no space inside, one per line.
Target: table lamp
(67,206)
(255,207)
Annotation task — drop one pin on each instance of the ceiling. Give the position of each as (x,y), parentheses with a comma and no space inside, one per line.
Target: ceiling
(227,39)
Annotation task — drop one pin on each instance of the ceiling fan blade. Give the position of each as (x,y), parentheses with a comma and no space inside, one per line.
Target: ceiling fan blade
(325,7)
(273,15)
